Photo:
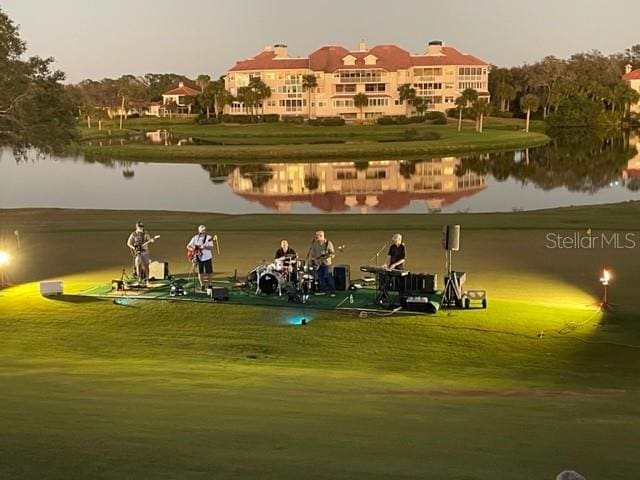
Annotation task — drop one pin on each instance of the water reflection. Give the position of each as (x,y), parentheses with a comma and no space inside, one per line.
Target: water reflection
(355,186)
(573,169)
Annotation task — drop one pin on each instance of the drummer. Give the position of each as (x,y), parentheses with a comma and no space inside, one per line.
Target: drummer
(285,251)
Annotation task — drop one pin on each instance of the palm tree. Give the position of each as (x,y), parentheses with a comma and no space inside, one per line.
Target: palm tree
(529,103)
(480,108)
(360,100)
(420,105)
(468,95)
(203,81)
(261,90)
(248,97)
(406,93)
(206,94)
(309,83)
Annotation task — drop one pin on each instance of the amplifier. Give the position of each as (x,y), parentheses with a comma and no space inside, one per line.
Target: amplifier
(421,283)
(220,293)
(158,270)
(341,277)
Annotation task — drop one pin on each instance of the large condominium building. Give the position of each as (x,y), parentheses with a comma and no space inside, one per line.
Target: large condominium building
(439,75)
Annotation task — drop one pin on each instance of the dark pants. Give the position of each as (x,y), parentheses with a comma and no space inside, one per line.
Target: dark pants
(325,279)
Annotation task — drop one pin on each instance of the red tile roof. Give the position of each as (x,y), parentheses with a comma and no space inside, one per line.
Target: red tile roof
(632,75)
(183,90)
(267,60)
(329,59)
(450,56)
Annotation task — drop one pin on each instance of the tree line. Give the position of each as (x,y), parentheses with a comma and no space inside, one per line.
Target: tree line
(585,89)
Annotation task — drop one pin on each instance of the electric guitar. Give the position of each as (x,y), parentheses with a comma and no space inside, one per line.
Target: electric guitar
(137,250)
(195,251)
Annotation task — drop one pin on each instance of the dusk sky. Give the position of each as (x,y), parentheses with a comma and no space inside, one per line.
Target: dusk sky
(91,39)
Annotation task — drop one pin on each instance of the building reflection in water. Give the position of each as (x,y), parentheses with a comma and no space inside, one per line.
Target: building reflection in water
(356,186)
(631,174)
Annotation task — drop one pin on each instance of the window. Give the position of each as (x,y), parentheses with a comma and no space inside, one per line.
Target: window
(322,103)
(474,85)
(428,73)
(359,76)
(271,103)
(375,173)
(448,85)
(427,88)
(345,89)
(375,87)
(373,114)
(346,103)
(292,105)
(378,102)
(270,76)
(346,175)
(448,99)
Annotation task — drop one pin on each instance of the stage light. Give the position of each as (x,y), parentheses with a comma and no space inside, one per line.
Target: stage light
(606,277)
(5,258)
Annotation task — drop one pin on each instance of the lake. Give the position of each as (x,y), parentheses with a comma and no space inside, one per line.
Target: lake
(566,172)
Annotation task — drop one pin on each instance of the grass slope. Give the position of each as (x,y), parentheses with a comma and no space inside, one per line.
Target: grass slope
(92,389)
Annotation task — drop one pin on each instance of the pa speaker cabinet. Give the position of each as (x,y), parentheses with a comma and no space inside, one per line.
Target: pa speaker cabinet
(341,277)
(158,270)
(220,293)
(451,237)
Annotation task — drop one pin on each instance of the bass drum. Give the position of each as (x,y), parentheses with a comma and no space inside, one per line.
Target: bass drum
(270,283)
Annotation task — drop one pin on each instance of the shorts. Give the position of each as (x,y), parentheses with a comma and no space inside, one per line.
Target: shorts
(142,259)
(205,266)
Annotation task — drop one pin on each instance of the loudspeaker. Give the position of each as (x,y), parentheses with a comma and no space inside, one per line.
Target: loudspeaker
(220,293)
(158,270)
(341,277)
(451,237)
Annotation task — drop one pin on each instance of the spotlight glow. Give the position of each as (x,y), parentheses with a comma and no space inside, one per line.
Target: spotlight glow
(5,258)
(606,277)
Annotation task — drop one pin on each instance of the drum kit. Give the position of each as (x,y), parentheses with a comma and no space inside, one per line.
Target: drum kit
(287,275)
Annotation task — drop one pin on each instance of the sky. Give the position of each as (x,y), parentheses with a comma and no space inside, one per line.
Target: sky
(108,38)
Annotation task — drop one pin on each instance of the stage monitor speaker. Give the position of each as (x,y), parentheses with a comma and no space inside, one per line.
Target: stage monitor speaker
(220,293)
(451,237)
(341,277)
(158,270)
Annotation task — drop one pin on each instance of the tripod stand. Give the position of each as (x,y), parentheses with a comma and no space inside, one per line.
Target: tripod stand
(452,293)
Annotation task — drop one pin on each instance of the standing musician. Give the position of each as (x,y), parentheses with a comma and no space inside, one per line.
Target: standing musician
(320,255)
(138,243)
(397,254)
(200,251)
(285,251)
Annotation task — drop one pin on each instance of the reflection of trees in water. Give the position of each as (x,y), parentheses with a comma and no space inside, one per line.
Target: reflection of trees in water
(633,184)
(361,165)
(259,174)
(218,172)
(407,168)
(311,182)
(579,160)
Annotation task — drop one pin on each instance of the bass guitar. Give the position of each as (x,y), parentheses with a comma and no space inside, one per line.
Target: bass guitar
(137,250)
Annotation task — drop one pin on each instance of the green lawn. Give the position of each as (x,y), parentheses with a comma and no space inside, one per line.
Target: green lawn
(289,141)
(92,389)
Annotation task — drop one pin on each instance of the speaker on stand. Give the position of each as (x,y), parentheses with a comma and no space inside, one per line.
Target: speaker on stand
(453,281)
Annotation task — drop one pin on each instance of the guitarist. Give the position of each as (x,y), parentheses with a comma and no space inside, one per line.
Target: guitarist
(321,253)
(200,251)
(138,243)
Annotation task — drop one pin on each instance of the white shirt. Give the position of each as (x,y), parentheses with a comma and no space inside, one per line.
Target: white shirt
(202,240)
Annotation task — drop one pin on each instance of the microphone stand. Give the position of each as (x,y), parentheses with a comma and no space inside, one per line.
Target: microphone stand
(376,257)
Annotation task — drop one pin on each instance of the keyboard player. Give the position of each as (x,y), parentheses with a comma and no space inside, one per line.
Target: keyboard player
(397,255)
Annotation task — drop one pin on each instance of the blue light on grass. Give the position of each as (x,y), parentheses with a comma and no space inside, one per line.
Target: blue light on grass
(298,320)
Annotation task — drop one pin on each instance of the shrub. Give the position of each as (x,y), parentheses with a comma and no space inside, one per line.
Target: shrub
(385,121)
(326,122)
(271,118)
(227,118)
(298,119)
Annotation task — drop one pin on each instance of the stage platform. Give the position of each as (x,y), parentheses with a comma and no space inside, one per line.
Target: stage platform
(362,299)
